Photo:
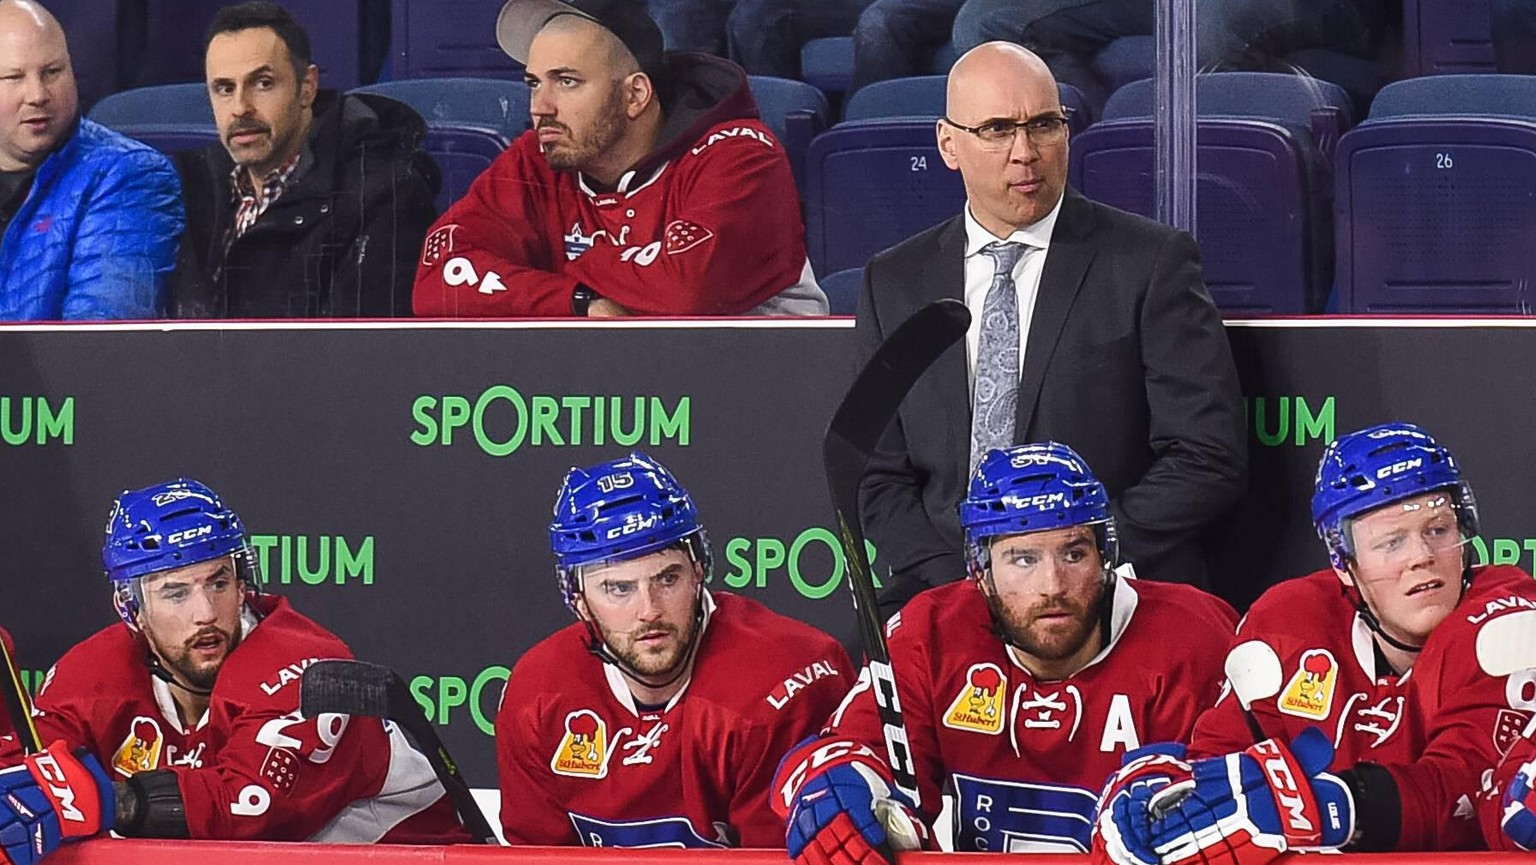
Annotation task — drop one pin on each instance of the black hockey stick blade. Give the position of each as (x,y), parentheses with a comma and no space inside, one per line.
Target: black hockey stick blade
(347,687)
(868,408)
(17,705)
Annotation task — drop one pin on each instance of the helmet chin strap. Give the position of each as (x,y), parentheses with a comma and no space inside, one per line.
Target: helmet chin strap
(599,647)
(1363,607)
(159,671)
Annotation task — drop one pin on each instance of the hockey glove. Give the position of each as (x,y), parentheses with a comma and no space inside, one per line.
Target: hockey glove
(1122,826)
(1519,820)
(53,797)
(842,806)
(1248,808)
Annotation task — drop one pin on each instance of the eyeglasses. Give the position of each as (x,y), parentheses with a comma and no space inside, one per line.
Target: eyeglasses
(1046,131)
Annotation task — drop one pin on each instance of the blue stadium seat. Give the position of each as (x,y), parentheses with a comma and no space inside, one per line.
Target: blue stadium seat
(795,111)
(169,117)
(842,289)
(923,96)
(1124,60)
(1441,36)
(1432,198)
(827,63)
(470,122)
(445,38)
(92,27)
(870,185)
(1263,185)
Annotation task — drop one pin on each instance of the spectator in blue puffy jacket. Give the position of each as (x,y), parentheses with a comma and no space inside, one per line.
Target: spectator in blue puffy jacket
(90,219)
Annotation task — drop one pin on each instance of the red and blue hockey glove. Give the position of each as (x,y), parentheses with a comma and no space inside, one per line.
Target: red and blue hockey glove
(1248,808)
(842,806)
(1122,831)
(1519,820)
(53,797)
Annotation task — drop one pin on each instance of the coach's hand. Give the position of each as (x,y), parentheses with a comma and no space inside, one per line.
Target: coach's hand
(842,806)
(53,797)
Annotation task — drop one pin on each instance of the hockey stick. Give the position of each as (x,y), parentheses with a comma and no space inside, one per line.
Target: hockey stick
(359,688)
(18,706)
(868,408)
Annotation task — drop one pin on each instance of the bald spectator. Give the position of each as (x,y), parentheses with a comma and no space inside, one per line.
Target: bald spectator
(90,218)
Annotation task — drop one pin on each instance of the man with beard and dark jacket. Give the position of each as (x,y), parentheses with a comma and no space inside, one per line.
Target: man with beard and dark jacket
(648,185)
(314,204)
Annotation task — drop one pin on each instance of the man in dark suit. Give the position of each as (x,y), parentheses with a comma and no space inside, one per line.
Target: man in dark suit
(1091,326)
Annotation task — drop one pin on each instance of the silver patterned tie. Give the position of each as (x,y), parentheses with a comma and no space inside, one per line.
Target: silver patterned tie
(997,356)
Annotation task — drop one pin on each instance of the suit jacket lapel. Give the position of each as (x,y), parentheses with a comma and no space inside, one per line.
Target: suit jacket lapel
(1066,262)
(944,276)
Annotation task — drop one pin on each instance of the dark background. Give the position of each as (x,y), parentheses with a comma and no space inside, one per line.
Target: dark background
(306,431)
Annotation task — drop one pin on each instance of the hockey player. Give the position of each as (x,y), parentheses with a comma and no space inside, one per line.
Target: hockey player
(648,185)
(658,718)
(1396,658)
(1021,686)
(191,702)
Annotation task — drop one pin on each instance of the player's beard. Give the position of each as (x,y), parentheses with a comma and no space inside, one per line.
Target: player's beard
(1051,640)
(651,662)
(579,152)
(199,675)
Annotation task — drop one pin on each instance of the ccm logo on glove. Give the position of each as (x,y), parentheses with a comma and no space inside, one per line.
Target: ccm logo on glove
(59,791)
(1293,805)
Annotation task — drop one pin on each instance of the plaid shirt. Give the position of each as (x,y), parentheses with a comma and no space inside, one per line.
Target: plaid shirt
(251,203)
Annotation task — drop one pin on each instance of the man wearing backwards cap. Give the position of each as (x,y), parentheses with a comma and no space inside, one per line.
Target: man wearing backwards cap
(647,186)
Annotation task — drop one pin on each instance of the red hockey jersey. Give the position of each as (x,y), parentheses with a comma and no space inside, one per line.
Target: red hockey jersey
(580,763)
(1437,728)
(252,769)
(10,746)
(708,224)
(1028,758)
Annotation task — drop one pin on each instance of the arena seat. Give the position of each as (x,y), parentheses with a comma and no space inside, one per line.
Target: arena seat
(1429,219)
(470,122)
(871,184)
(842,289)
(168,117)
(1441,36)
(1263,185)
(795,111)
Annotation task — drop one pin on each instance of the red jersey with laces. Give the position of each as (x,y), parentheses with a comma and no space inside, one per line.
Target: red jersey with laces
(707,224)
(1028,758)
(582,763)
(251,769)
(1437,728)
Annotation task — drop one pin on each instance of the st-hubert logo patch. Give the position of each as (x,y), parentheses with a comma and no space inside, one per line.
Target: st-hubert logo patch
(140,752)
(979,705)
(1310,691)
(583,751)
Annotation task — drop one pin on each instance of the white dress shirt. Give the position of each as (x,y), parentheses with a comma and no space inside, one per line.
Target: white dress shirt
(1026,276)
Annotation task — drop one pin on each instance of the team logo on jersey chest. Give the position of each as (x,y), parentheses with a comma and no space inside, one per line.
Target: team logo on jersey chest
(140,752)
(1309,694)
(979,705)
(583,751)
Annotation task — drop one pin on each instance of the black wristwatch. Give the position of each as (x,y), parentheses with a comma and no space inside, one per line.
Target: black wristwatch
(581,299)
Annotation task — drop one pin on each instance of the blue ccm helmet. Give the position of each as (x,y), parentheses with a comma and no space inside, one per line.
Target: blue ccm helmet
(1034,488)
(165,526)
(617,510)
(1363,470)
